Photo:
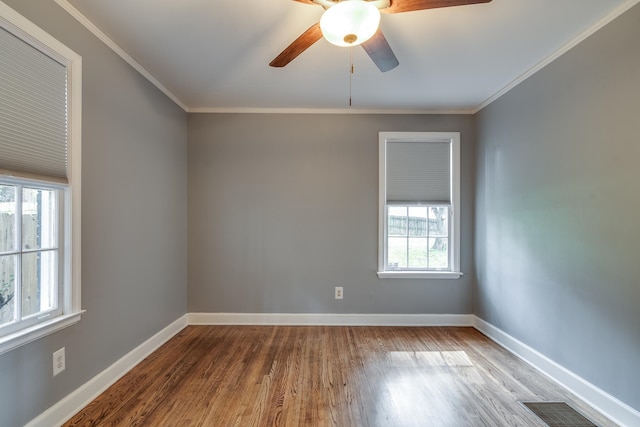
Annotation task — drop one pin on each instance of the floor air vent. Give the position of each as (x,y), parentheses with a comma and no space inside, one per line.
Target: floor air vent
(558,414)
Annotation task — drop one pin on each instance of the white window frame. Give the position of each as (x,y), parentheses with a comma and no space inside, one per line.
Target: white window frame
(70,299)
(454,238)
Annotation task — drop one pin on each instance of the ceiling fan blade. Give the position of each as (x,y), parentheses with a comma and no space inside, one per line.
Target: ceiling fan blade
(380,52)
(398,6)
(299,45)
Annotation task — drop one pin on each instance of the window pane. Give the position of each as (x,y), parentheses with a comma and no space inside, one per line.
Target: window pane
(438,222)
(7,218)
(418,238)
(38,218)
(438,253)
(398,210)
(397,253)
(418,221)
(397,221)
(39,275)
(7,288)
(418,252)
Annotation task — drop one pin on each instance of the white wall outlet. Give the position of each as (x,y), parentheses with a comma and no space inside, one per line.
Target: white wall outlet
(338,292)
(58,361)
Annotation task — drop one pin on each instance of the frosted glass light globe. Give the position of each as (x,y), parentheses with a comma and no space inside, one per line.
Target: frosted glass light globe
(350,22)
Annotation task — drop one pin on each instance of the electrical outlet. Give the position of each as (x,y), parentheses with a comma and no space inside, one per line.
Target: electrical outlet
(58,361)
(338,292)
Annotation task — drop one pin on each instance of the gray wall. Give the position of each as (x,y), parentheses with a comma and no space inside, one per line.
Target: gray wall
(557,210)
(134,212)
(282,208)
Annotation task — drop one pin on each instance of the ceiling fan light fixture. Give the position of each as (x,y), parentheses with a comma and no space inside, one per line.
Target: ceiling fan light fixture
(350,22)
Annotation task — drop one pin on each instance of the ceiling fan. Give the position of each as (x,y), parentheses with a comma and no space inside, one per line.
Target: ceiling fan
(356,22)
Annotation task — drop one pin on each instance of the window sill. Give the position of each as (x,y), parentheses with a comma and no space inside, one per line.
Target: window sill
(419,274)
(25,336)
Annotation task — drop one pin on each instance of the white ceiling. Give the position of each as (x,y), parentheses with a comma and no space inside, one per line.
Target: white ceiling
(213,55)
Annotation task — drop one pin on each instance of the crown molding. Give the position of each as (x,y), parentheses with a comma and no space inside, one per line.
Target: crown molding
(118,50)
(326,111)
(628,4)
(558,53)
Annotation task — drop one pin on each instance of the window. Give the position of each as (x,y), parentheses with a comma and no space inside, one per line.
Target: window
(30,253)
(39,182)
(419,225)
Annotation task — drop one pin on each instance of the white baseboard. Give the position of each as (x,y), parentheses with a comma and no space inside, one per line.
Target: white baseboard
(81,397)
(617,411)
(603,402)
(324,319)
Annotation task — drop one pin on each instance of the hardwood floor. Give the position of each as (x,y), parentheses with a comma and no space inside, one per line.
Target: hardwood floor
(327,376)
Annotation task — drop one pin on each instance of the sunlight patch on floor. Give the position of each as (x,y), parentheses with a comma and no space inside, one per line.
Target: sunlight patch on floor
(425,359)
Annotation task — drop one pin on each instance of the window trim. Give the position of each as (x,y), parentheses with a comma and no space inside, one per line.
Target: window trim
(454,139)
(70,302)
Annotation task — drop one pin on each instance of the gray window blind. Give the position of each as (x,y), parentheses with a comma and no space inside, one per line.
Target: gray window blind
(33,111)
(418,171)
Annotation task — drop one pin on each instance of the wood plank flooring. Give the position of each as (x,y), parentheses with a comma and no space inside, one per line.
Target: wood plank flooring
(327,376)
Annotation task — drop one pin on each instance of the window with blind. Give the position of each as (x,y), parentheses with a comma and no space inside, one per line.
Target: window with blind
(39,182)
(418,200)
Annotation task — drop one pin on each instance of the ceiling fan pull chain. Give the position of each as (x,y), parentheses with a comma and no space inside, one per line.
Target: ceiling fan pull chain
(350,71)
